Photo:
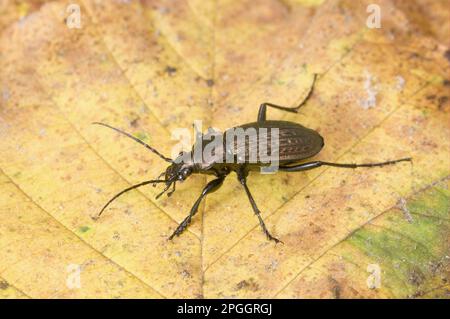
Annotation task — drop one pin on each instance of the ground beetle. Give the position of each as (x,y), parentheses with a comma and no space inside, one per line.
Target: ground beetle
(296,143)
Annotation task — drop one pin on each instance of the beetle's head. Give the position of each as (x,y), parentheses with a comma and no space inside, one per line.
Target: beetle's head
(180,169)
(178,172)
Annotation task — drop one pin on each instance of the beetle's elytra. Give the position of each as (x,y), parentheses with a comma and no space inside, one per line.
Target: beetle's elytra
(295,143)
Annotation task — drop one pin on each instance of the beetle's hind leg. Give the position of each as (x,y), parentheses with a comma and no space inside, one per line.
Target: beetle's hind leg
(263,107)
(209,188)
(242,176)
(311,165)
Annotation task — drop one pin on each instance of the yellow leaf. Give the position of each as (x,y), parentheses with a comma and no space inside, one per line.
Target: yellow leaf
(151,67)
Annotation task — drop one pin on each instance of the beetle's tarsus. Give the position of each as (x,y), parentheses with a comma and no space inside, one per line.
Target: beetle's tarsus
(209,188)
(315,164)
(172,191)
(172,236)
(263,107)
(242,174)
(182,227)
(267,233)
(276,240)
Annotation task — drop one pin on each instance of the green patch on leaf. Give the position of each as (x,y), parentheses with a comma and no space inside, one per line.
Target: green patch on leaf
(84,229)
(413,255)
(142,136)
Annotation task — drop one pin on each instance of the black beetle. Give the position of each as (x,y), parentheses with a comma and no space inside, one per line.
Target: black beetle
(296,143)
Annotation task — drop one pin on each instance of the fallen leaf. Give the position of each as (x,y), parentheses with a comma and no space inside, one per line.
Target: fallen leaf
(152,67)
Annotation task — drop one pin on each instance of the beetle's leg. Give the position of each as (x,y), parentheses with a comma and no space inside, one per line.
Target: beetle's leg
(311,165)
(263,107)
(160,175)
(164,190)
(243,180)
(209,188)
(172,190)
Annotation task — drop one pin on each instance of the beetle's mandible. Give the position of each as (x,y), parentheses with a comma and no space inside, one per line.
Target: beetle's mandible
(296,143)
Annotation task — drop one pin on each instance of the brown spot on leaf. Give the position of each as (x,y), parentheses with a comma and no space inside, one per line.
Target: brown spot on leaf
(335,288)
(134,123)
(248,284)
(447,55)
(442,101)
(416,277)
(170,70)
(3,284)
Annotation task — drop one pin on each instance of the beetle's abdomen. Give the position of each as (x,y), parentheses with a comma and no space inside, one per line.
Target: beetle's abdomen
(295,142)
(298,142)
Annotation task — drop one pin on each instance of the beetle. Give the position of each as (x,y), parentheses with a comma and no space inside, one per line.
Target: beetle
(296,143)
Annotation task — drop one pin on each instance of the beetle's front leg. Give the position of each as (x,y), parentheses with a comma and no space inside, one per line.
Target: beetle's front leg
(209,188)
(242,176)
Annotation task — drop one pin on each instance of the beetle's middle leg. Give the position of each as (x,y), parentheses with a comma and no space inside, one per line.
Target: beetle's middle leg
(209,188)
(263,107)
(242,176)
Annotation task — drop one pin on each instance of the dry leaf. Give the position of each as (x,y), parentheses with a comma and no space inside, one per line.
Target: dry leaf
(151,67)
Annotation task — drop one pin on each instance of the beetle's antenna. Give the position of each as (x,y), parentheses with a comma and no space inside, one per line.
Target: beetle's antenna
(126,190)
(137,140)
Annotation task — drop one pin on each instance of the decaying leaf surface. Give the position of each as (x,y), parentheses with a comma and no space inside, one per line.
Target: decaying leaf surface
(151,67)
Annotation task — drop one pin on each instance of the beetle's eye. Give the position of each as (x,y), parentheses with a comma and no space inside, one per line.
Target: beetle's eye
(185,173)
